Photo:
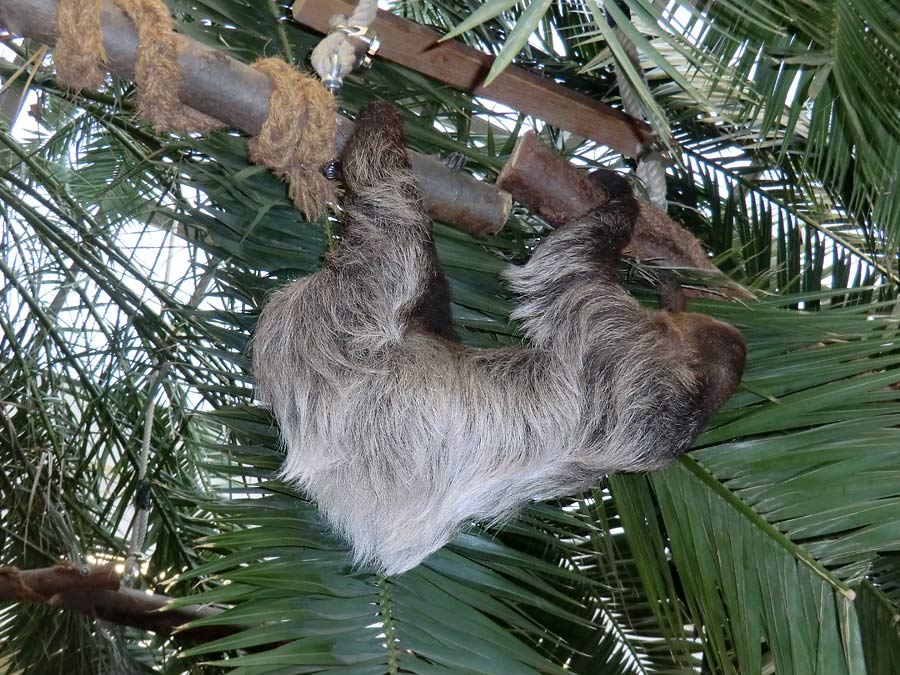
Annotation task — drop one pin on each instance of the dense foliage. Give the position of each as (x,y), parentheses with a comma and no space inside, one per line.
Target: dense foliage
(772,547)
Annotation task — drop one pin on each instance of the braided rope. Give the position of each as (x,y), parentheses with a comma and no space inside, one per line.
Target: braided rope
(631,104)
(335,47)
(650,169)
(156,70)
(79,50)
(298,136)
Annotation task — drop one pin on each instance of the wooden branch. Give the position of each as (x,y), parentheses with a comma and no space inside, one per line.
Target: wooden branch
(417,47)
(547,183)
(95,591)
(231,91)
(552,187)
(216,84)
(39,585)
(130,607)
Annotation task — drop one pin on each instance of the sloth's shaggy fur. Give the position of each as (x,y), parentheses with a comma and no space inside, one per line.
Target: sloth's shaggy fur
(402,435)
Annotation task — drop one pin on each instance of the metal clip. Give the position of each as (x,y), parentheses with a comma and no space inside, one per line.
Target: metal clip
(364,42)
(332,170)
(335,77)
(367,43)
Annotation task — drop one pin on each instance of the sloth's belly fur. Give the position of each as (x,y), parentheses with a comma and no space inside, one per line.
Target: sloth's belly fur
(402,448)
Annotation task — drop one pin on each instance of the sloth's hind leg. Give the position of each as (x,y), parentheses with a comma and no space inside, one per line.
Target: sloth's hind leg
(386,260)
(374,157)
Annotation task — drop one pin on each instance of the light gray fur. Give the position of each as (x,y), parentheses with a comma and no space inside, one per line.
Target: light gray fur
(402,437)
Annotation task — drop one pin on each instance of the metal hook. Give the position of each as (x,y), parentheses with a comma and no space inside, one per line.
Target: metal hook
(367,41)
(365,45)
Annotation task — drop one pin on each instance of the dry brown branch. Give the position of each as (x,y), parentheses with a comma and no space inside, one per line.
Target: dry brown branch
(37,586)
(556,190)
(96,591)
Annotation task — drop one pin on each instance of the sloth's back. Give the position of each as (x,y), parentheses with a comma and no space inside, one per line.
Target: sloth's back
(403,441)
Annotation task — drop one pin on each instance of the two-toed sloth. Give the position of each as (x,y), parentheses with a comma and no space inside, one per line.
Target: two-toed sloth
(402,434)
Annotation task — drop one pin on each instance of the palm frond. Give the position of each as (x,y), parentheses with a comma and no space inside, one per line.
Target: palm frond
(771,547)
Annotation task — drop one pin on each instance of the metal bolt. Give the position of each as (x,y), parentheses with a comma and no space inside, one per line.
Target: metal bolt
(334,80)
(332,170)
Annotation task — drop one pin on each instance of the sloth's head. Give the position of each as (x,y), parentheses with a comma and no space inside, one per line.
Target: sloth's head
(723,353)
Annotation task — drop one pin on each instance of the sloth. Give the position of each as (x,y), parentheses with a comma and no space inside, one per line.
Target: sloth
(403,435)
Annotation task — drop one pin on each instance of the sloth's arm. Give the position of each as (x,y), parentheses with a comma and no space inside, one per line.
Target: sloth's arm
(652,378)
(571,295)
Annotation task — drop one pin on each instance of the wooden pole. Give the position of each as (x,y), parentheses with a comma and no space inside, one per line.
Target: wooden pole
(547,183)
(231,91)
(216,84)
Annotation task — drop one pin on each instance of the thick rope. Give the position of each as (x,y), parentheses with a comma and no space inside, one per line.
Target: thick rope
(156,70)
(650,168)
(79,52)
(142,498)
(336,48)
(297,138)
(631,104)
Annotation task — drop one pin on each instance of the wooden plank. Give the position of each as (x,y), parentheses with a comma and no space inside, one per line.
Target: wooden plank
(416,47)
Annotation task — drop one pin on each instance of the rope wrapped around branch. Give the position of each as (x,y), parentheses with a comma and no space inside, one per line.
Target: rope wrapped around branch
(650,168)
(297,138)
(298,135)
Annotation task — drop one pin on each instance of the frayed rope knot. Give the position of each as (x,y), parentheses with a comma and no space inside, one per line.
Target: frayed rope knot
(297,138)
(79,51)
